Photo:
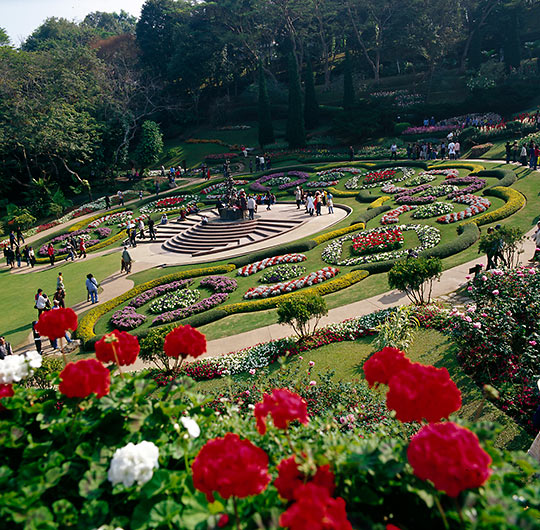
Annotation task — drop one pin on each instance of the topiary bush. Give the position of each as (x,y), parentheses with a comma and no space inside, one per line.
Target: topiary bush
(415,278)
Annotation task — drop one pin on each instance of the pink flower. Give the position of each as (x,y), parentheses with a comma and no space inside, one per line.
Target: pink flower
(312,383)
(532,342)
(351,417)
(484,278)
(469,288)
(252,371)
(343,420)
(311,363)
(483,315)
(467,277)
(247,392)
(495,292)
(300,357)
(477,325)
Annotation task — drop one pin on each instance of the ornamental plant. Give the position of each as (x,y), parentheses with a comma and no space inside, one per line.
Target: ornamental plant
(415,278)
(182,342)
(284,406)
(118,347)
(85,377)
(302,313)
(55,323)
(377,241)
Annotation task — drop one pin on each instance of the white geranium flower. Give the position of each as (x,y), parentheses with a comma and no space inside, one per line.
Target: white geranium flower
(191,426)
(14,368)
(133,463)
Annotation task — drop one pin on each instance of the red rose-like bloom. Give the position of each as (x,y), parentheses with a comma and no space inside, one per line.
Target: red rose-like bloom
(184,341)
(392,527)
(223,520)
(55,323)
(381,366)
(422,392)
(284,406)
(450,456)
(230,466)
(315,510)
(290,478)
(5,392)
(85,377)
(127,348)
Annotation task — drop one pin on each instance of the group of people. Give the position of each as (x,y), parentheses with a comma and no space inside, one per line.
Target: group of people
(13,253)
(528,153)
(431,151)
(262,162)
(313,202)
(133,229)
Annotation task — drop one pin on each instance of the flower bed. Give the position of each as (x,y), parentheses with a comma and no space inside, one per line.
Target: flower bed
(220,157)
(429,237)
(110,219)
(321,184)
(150,294)
(127,318)
(219,284)
(301,177)
(422,178)
(103,232)
(167,204)
(282,273)
(257,186)
(377,241)
(330,175)
(443,189)
(264,291)
(421,199)
(379,176)
(135,221)
(428,129)
(220,186)
(354,183)
(177,299)
(79,234)
(474,184)
(392,217)
(252,268)
(432,210)
(204,305)
(476,205)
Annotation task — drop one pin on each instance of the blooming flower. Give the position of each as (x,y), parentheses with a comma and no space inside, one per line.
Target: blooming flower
(450,456)
(532,342)
(495,292)
(125,346)
(223,520)
(311,363)
(54,324)
(230,466)
(184,341)
(133,463)
(191,426)
(252,371)
(83,378)
(312,383)
(477,325)
(381,366)
(14,368)
(284,406)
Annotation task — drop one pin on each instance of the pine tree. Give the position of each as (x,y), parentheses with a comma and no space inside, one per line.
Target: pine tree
(296,133)
(266,130)
(150,145)
(512,44)
(311,107)
(348,87)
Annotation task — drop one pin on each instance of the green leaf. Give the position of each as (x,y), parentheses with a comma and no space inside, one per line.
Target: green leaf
(89,486)
(166,512)
(39,519)
(94,513)
(66,514)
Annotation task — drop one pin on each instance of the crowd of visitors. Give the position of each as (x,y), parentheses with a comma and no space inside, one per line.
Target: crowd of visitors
(449,149)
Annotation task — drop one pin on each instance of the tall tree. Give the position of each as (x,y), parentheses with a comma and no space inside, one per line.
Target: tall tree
(111,23)
(512,43)
(150,145)
(296,133)
(266,130)
(348,86)
(311,107)
(4,37)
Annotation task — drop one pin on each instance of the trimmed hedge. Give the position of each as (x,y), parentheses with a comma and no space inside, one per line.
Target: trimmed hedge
(82,224)
(366,216)
(459,165)
(379,202)
(506,177)
(353,163)
(85,330)
(514,202)
(339,232)
(366,196)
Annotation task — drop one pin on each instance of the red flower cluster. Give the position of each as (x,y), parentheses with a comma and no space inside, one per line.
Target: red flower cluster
(290,478)
(83,378)
(422,392)
(126,345)
(230,466)
(315,509)
(381,366)
(184,341)
(5,392)
(378,241)
(450,456)
(284,406)
(170,201)
(379,176)
(55,323)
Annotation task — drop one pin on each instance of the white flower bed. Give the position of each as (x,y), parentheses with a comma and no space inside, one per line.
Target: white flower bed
(252,268)
(125,224)
(330,175)
(220,186)
(439,191)
(422,178)
(476,205)
(392,217)
(175,300)
(265,291)
(321,183)
(14,368)
(432,210)
(429,237)
(111,219)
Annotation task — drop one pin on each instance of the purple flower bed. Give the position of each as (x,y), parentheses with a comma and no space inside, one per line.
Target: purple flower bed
(127,318)
(59,239)
(407,199)
(258,184)
(430,129)
(474,184)
(199,307)
(219,284)
(103,232)
(301,178)
(140,300)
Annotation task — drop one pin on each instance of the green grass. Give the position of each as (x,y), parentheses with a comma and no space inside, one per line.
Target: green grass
(429,347)
(18,290)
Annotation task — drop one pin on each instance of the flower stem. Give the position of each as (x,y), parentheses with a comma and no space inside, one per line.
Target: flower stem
(61,339)
(113,344)
(460,513)
(236,513)
(441,511)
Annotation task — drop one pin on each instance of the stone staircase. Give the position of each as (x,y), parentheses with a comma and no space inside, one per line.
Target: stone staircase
(197,239)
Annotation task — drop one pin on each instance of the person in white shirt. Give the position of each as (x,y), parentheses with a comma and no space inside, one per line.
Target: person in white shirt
(41,301)
(393,152)
(457,149)
(251,207)
(452,151)
(298,197)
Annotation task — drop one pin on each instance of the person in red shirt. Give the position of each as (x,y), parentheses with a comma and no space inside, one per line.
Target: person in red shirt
(50,252)
(82,248)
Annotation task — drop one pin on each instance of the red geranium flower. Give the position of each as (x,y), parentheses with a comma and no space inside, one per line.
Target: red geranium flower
(450,456)
(392,527)
(290,478)
(223,520)
(315,510)
(381,366)
(85,377)
(55,323)
(126,345)
(5,392)
(422,392)
(184,341)
(230,466)
(284,406)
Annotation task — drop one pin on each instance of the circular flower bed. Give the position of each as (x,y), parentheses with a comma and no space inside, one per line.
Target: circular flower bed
(175,300)
(392,217)
(131,220)
(264,291)
(421,178)
(443,189)
(282,273)
(379,176)
(281,180)
(111,219)
(252,268)
(354,183)
(321,184)
(476,205)
(380,240)
(429,237)
(432,210)
(330,175)
(474,184)
(77,234)
(127,318)
(166,204)
(220,186)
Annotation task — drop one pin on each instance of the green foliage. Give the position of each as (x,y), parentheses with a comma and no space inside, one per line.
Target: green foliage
(505,243)
(152,349)
(397,330)
(415,277)
(266,130)
(400,127)
(299,311)
(24,219)
(150,144)
(311,107)
(295,134)
(348,87)
(4,37)
(43,376)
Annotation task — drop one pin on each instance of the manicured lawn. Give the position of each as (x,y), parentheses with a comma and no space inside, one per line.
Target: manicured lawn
(346,359)
(17,291)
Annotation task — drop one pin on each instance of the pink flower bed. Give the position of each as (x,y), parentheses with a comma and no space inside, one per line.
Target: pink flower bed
(252,268)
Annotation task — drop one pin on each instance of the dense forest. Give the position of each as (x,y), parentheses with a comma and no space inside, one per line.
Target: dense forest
(74,96)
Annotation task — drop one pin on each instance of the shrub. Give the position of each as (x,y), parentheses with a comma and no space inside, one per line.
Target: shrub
(506,177)
(478,150)
(367,196)
(298,311)
(379,202)
(43,376)
(366,216)
(415,277)
(397,330)
(504,243)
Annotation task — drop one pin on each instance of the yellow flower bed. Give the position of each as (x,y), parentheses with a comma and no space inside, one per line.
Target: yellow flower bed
(458,165)
(85,330)
(339,193)
(328,287)
(340,232)
(81,224)
(379,202)
(514,202)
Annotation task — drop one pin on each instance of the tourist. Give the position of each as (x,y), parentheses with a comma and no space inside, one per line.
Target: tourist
(257,164)
(268,200)
(132,236)
(5,348)
(330,202)
(457,148)
(18,256)
(26,255)
(298,197)
(60,281)
(120,198)
(20,237)
(318,203)
(515,150)
(393,151)
(251,206)
(508,152)
(204,219)
(12,242)
(141,229)
(37,337)
(126,261)
(152,230)
(92,288)
(251,165)
(157,188)
(60,296)
(164,219)
(82,248)
(10,257)
(243,204)
(351,153)
(41,302)
(50,253)
(107,202)
(310,204)
(452,151)
(31,257)
(523,155)
(140,195)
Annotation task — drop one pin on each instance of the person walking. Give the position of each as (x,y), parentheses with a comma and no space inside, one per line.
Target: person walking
(251,207)
(20,237)
(92,288)
(31,257)
(330,203)
(268,200)
(126,261)
(26,255)
(37,337)
(298,197)
(351,153)
(120,198)
(107,202)
(310,204)
(508,152)
(393,151)
(151,229)
(18,256)
(82,248)
(5,348)
(515,151)
(41,302)
(60,297)
(141,229)
(50,252)
(132,231)
(12,238)
(523,155)
(60,281)
(318,203)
